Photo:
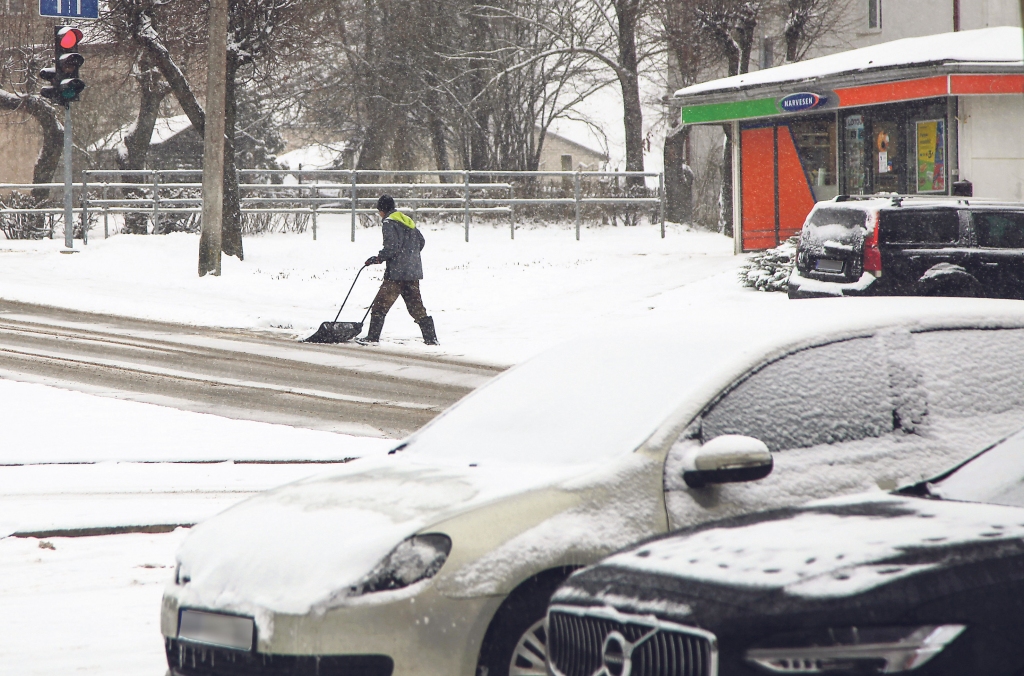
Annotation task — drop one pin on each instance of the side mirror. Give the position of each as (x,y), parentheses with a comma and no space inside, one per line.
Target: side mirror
(729,458)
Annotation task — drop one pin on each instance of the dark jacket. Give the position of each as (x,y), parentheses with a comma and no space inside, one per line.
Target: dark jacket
(402,246)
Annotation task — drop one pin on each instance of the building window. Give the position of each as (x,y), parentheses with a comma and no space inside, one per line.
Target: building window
(875,14)
(566,162)
(767,53)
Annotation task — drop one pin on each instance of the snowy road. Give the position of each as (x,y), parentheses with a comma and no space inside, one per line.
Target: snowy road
(232,373)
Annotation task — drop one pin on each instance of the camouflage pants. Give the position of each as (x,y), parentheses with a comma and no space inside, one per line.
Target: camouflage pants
(389,292)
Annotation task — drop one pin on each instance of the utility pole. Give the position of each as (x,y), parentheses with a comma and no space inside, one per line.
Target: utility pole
(69,179)
(213,141)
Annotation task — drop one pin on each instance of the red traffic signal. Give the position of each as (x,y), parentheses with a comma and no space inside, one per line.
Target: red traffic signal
(68,37)
(64,74)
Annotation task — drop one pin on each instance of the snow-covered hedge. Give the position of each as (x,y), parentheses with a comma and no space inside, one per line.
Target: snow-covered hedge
(769,270)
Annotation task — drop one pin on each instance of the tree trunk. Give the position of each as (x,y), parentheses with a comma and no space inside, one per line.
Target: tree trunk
(479,137)
(627,12)
(146,37)
(53,136)
(437,140)
(725,220)
(678,176)
(136,144)
(231,223)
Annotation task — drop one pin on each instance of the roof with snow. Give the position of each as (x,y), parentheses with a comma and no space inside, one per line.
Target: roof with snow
(165,128)
(986,51)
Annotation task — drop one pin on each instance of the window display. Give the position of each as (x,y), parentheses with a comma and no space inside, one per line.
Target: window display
(816,142)
(931,156)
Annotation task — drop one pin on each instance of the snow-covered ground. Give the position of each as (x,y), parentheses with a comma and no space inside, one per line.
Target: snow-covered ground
(91,604)
(493,299)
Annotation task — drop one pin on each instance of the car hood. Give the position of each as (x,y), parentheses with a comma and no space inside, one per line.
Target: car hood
(294,548)
(801,557)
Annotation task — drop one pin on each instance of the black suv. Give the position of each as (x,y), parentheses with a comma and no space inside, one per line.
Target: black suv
(896,245)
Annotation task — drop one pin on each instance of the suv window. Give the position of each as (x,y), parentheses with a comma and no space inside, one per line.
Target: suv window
(823,395)
(918,226)
(848,218)
(1004,230)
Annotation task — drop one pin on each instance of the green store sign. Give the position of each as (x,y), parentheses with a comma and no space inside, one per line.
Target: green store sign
(742,110)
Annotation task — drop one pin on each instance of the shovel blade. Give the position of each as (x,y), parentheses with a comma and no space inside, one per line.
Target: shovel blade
(335,332)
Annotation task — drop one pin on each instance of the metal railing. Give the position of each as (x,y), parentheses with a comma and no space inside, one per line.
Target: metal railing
(341,191)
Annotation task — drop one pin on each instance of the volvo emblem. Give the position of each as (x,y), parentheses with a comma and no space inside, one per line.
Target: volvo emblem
(616,654)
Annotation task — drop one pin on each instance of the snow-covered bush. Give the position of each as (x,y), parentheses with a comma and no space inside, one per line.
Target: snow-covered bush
(769,270)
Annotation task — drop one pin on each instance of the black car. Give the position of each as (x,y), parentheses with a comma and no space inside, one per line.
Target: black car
(927,580)
(910,246)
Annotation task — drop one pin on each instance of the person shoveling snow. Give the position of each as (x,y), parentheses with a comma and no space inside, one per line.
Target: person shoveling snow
(402,245)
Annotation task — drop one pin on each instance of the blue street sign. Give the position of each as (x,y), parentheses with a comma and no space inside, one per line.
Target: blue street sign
(71,9)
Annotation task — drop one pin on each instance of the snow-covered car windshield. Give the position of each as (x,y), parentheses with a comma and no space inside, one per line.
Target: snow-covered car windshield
(996,476)
(574,404)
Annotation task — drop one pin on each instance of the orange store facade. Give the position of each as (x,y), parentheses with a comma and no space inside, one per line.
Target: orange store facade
(894,130)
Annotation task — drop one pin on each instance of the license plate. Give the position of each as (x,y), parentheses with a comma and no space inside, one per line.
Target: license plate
(229,631)
(826,265)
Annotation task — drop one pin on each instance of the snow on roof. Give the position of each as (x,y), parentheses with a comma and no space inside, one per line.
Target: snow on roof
(1001,45)
(169,127)
(316,156)
(164,129)
(582,404)
(578,135)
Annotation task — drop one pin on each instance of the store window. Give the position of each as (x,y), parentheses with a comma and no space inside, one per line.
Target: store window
(895,148)
(854,156)
(886,144)
(817,145)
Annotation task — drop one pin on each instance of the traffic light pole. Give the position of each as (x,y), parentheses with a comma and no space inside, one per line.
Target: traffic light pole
(69,218)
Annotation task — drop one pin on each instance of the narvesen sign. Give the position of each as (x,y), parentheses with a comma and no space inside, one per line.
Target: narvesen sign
(801,101)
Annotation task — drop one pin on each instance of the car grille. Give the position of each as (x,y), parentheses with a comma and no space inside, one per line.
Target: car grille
(579,645)
(191,659)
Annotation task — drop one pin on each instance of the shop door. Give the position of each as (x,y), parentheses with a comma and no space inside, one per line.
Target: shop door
(776,196)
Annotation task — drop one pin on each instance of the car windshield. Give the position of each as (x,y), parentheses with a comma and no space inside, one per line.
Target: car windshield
(995,476)
(576,404)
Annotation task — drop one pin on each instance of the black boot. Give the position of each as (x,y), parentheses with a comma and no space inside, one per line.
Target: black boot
(427,329)
(373,333)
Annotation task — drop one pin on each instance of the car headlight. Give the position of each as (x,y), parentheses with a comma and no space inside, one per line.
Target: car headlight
(414,559)
(860,650)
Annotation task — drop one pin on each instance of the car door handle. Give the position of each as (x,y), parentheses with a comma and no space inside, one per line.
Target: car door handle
(990,265)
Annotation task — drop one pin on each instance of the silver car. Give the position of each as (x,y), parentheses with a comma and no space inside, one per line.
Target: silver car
(439,557)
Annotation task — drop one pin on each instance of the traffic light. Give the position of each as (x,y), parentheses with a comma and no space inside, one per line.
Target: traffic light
(65,85)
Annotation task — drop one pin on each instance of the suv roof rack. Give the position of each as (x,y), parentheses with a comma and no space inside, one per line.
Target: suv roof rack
(897,199)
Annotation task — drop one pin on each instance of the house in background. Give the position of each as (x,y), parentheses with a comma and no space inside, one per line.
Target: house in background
(561,154)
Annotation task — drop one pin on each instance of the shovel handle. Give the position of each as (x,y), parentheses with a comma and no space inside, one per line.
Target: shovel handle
(349,293)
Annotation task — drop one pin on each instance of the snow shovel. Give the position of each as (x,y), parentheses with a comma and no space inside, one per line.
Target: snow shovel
(340,332)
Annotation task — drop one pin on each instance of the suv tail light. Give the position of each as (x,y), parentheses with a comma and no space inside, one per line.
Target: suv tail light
(872,254)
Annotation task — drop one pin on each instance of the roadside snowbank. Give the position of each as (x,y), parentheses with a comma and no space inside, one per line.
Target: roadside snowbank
(493,298)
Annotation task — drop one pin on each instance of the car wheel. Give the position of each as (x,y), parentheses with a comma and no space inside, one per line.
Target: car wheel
(528,658)
(516,640)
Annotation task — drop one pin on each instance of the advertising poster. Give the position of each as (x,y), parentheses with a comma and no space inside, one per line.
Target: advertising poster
(931,160)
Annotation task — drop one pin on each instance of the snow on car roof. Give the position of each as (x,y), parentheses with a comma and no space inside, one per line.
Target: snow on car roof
(985,45)
(597,398)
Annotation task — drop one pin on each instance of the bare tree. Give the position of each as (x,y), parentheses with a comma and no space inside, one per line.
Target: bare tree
(808,23)
(25,46)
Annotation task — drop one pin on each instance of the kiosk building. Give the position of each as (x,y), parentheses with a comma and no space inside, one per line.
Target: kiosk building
(914,116)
